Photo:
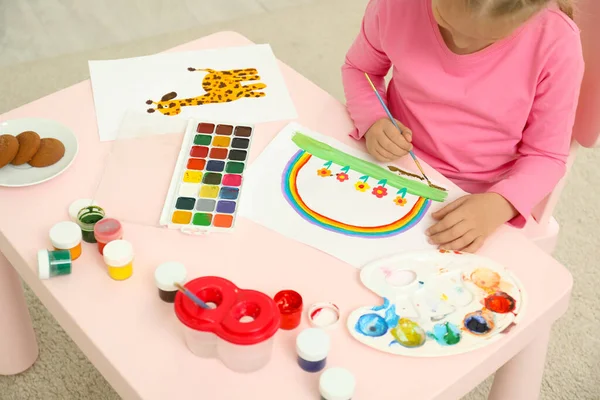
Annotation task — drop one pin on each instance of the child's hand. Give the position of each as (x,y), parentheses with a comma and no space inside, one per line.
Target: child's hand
(465,223)
(386,143)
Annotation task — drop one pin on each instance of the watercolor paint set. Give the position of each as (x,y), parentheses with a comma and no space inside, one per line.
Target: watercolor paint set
(205,188)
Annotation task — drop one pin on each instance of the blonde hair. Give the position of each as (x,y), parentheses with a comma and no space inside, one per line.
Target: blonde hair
(501,8)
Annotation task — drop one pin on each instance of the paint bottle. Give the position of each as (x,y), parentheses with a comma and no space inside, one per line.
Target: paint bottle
(337,384)
(77,206)
(166,276)
(106,230)
(87,219)
(53,263)
(312,347)
(289,303)
(118,256)
(239,330)
(66,236)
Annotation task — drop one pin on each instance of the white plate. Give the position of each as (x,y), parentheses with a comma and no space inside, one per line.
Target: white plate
(430,288)
(26,175)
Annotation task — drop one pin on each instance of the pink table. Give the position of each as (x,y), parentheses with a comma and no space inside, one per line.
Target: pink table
(135,340)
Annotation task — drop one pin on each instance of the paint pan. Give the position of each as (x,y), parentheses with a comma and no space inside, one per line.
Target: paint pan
(206,185)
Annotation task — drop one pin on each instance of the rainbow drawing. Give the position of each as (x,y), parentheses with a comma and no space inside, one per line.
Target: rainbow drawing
(293,197)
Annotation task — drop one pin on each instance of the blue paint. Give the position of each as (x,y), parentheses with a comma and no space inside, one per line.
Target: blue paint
(391,318)
(229,193)
(371,325)
(215,165)
(386,304)
(312,366)
(446,334)
(226,207)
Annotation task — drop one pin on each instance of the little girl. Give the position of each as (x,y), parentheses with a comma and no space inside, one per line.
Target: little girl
(485,91)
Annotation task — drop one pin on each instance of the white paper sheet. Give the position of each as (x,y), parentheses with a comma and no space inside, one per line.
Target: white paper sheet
(342,201)
(125,85)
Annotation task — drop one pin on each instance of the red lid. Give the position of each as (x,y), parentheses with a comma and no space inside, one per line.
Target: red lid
(232,303)
(108,229)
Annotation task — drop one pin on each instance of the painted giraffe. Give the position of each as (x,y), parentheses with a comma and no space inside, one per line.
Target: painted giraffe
(220,87)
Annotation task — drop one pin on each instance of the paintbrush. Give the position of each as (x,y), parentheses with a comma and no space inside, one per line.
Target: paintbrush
(397,127)
(191,296)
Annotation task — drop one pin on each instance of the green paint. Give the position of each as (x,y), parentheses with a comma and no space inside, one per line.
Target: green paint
(326,152)
(234,167)
(202,140)
(202,219)
(86,219)
(60,262)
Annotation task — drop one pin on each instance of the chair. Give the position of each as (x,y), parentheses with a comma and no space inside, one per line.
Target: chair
(543,228)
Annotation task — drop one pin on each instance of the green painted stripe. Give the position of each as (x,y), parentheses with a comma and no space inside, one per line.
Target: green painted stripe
(328,153)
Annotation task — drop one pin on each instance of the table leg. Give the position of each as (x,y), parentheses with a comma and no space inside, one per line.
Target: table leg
(18,345)
(521,377)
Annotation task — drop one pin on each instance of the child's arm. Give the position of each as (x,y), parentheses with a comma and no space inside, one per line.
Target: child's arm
(541,163)
(366,55)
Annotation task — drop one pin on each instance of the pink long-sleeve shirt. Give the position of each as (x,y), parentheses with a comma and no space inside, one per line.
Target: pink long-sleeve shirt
(498,120)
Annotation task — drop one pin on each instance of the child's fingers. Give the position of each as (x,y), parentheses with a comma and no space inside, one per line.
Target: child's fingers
(391,146)
(383,153)
(451,234)
(407,133)
(397,138)
(449,208)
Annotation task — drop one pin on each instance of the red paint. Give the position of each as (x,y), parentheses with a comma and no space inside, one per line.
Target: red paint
(205,128)
(500,303)
(196,163)
(315,313)
(232,180)
(223,221)
(105,231)
(289,303)
(199,151)
(232,303)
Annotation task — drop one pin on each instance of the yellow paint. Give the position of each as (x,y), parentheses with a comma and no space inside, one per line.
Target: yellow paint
(121,273)
(192,176)
(181,217)
(221,141)
(209,192)
(444,297)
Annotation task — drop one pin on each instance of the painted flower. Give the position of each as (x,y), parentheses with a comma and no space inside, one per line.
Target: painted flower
(324,172)
(444,251)
(379,192)
(362,186)
(342,176)
(400,201)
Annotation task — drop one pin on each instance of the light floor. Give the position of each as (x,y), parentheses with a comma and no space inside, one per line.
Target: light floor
(311,37)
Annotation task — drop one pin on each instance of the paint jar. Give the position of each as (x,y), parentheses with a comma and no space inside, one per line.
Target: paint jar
(105,231)
(289,303)
(118,256)
(166,276)
(67,236)
(87,219)
(77,206)
(312,347)
(337,384)
(239,330)
(53,263)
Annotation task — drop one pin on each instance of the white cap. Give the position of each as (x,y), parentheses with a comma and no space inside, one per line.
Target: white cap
(65,235)
(337,384)
(43,264)
(313,344)
(118,253)
(77,206)
(169,273)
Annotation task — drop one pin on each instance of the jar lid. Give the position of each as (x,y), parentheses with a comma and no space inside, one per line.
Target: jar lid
(65,235)
(168,274)
(323,315)
(118,253)
(337,384)
(313,344)
(234,306)
(43,264)
(108,229)
(77,206)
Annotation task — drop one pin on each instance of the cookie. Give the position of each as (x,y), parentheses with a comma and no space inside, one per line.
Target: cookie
(49,153)
(29,143)
(9,146)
